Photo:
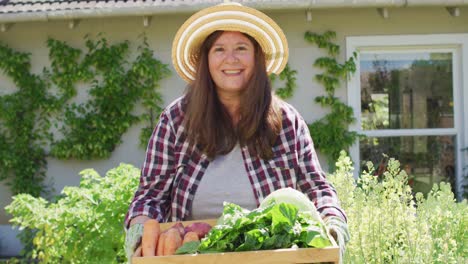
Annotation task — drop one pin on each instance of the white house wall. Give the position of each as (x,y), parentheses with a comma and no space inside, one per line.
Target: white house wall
(31,37)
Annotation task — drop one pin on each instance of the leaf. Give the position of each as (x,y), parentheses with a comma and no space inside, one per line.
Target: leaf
(254,240)
(314,237)
(283,217)
(188,248)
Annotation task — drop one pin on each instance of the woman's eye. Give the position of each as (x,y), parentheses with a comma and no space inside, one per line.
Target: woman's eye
(218,49)
(242,48)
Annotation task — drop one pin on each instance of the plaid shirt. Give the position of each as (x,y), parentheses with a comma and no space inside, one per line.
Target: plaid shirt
(172,170)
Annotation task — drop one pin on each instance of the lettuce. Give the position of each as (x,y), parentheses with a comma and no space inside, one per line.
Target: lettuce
(271,226)
(292,196)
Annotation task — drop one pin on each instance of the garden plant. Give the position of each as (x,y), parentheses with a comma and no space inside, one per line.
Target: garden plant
(391,224)
(85,224)
(388,223)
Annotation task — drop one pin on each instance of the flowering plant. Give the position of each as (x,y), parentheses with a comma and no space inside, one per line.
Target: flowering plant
(388,224)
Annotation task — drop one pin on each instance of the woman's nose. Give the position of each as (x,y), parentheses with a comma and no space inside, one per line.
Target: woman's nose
(231,57)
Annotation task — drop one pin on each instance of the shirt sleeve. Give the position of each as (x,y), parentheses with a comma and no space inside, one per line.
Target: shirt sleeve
(311,178)
(152,197)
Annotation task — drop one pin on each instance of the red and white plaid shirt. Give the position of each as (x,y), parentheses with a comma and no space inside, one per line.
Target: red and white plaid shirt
(172,170)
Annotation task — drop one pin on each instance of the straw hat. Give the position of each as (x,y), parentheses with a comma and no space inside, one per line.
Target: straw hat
(229,17)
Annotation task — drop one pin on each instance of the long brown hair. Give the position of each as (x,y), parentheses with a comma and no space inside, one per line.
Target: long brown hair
(208,123)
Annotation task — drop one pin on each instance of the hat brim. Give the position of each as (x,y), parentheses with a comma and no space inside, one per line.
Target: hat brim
(228,17)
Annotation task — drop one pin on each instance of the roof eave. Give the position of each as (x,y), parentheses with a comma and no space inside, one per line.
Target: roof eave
(151,9)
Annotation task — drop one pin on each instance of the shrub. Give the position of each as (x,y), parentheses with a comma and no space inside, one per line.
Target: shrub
(388,224)
(85,225)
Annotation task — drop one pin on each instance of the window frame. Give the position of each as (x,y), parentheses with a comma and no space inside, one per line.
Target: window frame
(455,43)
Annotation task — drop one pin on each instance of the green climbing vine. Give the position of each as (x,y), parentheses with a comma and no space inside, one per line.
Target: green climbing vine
(330,133)
(93,129)
(24,125)
(88,130)
(288,76)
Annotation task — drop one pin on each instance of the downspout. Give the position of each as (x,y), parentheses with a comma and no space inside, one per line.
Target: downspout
(171,7)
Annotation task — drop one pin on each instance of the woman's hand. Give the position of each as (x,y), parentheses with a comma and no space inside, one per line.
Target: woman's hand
(133,237)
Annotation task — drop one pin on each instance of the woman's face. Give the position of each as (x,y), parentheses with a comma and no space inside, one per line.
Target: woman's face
(231,61)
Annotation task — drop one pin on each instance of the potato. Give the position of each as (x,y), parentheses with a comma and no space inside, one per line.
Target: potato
(172,242)
(180,228)
(200,228)
(190,236)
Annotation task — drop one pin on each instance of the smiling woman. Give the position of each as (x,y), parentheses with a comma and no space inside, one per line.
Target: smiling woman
(231,62)
(230,82)
(228,138)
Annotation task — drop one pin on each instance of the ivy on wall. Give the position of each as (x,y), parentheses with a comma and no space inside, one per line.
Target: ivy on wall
(89,130)
(330,133)
(93,129)
(288,76)
(24,125)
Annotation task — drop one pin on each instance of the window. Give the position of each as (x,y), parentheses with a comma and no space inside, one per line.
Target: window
(407,96)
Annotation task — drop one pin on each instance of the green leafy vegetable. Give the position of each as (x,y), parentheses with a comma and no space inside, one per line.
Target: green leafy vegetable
(188,248)
(276,225)
(292,196)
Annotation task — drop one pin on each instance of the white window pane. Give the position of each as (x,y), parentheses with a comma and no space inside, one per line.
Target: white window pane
(406,90)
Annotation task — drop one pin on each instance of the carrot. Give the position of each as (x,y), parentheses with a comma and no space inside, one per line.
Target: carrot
(149,240)
(137,252)
(161,243)
(190,236)
(172,242)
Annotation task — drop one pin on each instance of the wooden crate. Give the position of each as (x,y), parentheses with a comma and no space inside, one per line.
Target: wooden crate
(277,256)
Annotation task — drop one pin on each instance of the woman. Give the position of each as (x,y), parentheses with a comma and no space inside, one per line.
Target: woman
(228,138)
